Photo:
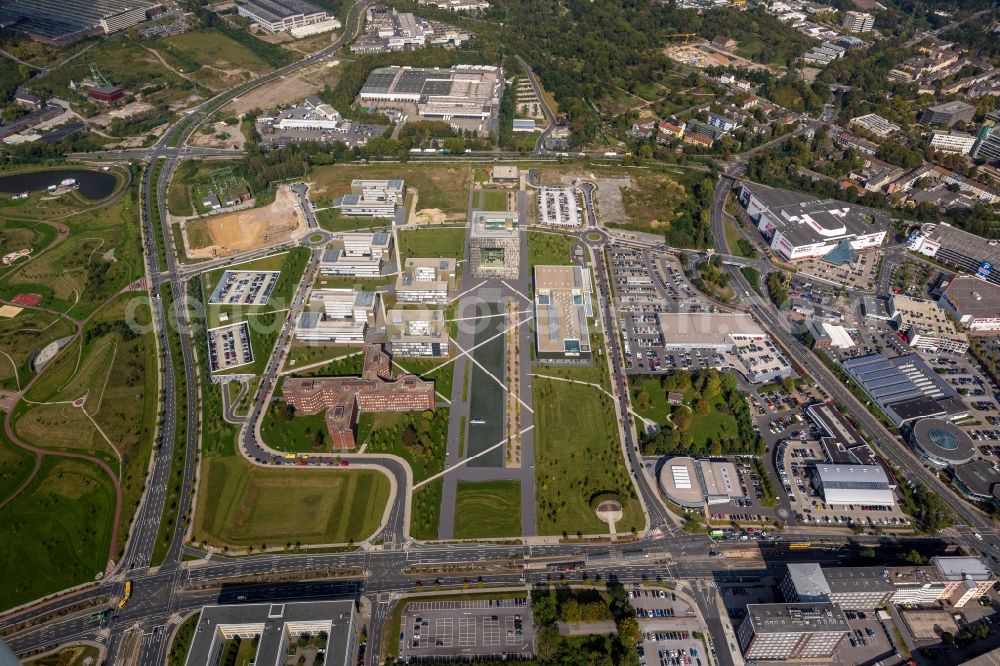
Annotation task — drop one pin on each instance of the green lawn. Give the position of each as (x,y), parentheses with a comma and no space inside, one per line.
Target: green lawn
(494,199)
(444,187)
(425,369)
(246,505)
(432,243)
(418,437)
(578,459)
(181,642)
(306,354)
(649,399)
(297,435)
(488,509)
(56,533)
(15,465)
(21,337)
(547,249)
(425,514)
(331,220)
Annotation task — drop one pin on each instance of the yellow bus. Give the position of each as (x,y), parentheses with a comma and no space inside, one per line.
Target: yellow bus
(802,545)
(128,593)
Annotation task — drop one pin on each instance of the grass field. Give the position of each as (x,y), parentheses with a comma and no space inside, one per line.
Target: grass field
(19,234)
(306,354)
(488,509)
(223,61)
(549,249)
(265,320)
(77,655)
(298,435)
(655,201)
(99,257)
(116,371)
(424,368)
(425,511)
(417,437)
(331,220)
(55,534)
(432,243)
(181,642)
(23,336)
(444,187)
(717,426)
(494,199)
(577,459)
(15,465)
(241,505)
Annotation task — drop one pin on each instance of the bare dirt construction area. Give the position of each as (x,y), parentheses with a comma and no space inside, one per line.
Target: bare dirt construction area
(286,89)
(221,136)
(252,229)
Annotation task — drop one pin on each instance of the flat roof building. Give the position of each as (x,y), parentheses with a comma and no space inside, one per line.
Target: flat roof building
(875,124)
(851,588)
(798,226)
(62,22)
(947,114)
(942,443)
(966,252)
(360,254)
(372,198)
(341,316)
(344,398)
(563,306)
(973,302)
(495,244)
(905,388)
(925,325)
(417,332)
(470,92)
(426,280)
(953,142)
(842,485)
(693,483)
(274,627)
(281,15)
(858,22)
(978,480)
(777,632)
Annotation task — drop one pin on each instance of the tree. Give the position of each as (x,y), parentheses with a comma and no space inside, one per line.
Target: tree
(681,419)
(628,631)
(947,638)
(701,407)
(788,384)
(915,558)
(544,609)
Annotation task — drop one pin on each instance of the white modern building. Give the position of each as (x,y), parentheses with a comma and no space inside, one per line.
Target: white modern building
(798,226)
(341,316)
(358,254)
(875,124)
(417,332)
(426,280)
(953,142)
(858,22)
(372,198)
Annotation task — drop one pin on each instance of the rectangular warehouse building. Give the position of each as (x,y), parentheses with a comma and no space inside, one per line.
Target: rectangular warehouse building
(841,485)
(65,21)
(905,388)
(460,93)
(281,15)
(799,226)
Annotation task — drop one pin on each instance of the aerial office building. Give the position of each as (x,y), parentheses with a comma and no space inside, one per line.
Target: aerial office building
(341,316)
(925,325)
(273,628)
(281,15)
(425,280)
(851,588)
(776,632)
(941,443)
(360,254)
(372,198)
(417,332)
(958,249)
(952,580)
(953,142)
(858,22)
(563,305)
(947,114)
(495,244)
(798,226)
(344,398)
(693,483)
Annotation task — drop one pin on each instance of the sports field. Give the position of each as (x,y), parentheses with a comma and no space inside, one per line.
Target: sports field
(56,533)
(577,459)
(488,509)
(240,505)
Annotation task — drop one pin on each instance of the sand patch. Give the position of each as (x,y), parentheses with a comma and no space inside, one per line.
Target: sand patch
(252,229)
(430,216)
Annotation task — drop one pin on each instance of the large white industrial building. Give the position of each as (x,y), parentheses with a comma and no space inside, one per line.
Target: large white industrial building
(798,226)
(853,484)
(281,15)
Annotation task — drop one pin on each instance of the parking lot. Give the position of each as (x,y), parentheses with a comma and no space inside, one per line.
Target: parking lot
(439,630)
(229,346)
(560,206)
(244,288)
(667,624)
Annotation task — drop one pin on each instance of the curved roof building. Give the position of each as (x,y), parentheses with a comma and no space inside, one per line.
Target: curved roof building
(978,479)
(694,483)
(941,443)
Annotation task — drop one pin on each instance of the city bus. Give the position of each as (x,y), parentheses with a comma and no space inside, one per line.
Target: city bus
(800,545)
(716,534)
(125,597)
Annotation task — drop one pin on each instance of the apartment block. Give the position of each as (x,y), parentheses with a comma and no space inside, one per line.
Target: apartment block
(858,22)
(953,142)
